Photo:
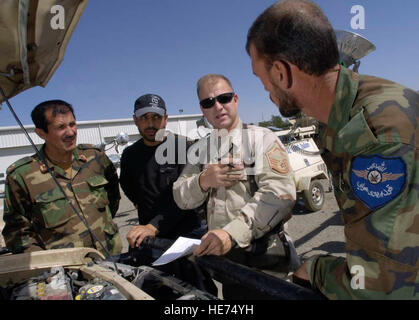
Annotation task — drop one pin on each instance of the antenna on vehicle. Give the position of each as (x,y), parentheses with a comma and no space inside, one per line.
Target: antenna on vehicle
(352,47)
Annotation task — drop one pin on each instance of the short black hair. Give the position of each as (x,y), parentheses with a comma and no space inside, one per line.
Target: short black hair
(57,106)
(296,31)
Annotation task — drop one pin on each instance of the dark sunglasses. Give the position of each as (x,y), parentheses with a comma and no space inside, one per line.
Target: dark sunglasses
(222,98)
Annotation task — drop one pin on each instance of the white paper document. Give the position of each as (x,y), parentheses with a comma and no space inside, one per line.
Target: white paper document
(181,247)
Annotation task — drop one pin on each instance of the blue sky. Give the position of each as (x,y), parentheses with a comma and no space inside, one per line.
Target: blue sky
(123,49)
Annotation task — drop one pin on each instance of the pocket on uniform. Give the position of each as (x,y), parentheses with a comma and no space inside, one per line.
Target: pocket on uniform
(53,209)
(97,188)
(97,182)
(110,228)
(356,136)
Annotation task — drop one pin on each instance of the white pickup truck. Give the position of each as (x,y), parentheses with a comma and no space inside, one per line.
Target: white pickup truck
(307,164)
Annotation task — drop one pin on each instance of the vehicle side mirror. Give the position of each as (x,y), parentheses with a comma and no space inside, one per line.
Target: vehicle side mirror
(122,138)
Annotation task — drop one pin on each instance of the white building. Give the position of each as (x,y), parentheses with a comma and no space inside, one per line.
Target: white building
(15,145)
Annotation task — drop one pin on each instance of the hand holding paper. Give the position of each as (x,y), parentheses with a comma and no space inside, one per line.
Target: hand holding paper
(181,247)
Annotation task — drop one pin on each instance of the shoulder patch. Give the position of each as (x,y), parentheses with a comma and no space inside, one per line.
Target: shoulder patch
(277,160)
(377,180)
(18,164)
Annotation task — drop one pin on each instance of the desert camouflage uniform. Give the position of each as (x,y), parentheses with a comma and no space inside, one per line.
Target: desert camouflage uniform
(37,215)
(244,214)
(371,147)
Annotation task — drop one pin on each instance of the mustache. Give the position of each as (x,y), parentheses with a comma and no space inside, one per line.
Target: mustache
(70,137)
(151,128)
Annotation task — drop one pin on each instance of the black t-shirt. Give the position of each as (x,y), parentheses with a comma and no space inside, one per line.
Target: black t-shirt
(149,185)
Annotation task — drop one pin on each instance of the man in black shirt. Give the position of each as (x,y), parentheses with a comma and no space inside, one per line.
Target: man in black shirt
(147,179)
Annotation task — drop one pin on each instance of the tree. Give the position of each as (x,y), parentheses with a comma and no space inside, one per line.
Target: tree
(277,122)
(301,120)
(305,121)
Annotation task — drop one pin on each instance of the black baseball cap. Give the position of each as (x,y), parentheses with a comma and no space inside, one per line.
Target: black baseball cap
(149,103)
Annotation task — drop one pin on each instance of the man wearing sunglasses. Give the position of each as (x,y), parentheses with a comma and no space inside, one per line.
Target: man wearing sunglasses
(369,134)
(148,183)
(246,202)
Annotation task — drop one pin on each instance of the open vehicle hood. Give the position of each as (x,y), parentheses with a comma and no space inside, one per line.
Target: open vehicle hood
(30,49)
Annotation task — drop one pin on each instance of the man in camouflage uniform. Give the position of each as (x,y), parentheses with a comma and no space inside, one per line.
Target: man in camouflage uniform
(369,134)
(36,213)
(243,203)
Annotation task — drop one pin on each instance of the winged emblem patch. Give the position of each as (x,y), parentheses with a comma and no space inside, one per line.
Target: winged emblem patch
(377,180)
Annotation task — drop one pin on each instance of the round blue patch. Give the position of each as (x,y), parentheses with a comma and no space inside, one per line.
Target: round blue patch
(377,180)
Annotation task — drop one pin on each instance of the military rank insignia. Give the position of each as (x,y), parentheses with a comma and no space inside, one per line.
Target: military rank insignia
(277,160)
(43,168)
(377,180)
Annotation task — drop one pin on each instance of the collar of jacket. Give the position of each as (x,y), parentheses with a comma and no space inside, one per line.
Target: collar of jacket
(234,134)
(78,160)
(345,94)
(214,140)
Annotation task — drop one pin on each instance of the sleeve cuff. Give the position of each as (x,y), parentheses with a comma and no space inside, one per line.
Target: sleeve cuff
(310,269)
(155,223)
(240,232)
(196,190)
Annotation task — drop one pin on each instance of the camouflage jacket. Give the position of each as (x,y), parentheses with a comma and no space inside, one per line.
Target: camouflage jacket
(371,147)
(37,215)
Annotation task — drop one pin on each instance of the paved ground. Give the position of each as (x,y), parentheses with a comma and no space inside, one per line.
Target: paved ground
(320,232)
(125,218)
